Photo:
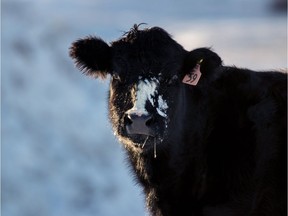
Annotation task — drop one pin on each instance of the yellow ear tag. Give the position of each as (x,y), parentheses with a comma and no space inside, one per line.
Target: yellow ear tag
(194,76)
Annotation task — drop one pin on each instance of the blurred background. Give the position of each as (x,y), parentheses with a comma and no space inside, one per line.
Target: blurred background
(59,156)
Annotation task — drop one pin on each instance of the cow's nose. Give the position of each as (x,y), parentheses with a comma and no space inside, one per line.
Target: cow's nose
(139,123)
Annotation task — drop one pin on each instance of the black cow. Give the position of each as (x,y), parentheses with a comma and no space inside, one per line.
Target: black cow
(203,138)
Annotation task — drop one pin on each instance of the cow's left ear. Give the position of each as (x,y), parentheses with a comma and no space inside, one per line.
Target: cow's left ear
(92,56)
(203,61)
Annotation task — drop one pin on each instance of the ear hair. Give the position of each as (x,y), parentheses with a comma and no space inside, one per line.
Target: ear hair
(92,56)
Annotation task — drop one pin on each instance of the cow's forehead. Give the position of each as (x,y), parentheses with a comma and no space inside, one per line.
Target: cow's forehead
(147,43)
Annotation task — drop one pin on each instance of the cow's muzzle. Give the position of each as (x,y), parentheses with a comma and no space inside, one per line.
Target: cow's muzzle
(136,123)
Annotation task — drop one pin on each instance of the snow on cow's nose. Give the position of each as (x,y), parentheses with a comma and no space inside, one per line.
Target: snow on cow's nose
(145,91)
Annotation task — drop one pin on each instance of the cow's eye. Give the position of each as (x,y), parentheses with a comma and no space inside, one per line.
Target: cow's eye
(173,80)
(169,81)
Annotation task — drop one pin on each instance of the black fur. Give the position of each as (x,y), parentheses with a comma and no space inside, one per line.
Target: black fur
(222,149)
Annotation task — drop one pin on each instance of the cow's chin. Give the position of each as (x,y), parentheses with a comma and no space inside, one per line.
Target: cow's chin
(142,141)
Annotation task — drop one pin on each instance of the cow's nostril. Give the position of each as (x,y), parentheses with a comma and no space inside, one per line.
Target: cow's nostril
(149,120)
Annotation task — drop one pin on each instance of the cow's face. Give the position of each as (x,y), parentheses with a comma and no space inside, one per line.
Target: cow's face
(147,99)
(141,106)
(146,76)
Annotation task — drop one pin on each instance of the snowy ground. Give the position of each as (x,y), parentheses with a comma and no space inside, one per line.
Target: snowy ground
(59,157)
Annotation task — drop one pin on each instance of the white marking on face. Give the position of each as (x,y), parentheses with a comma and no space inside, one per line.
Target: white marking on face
(162,107)
(145,91)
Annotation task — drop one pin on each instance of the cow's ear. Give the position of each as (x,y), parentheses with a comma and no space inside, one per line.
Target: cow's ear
(92,56)
(203,60)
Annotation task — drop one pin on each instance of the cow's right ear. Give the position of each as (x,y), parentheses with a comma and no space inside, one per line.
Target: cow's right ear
(92,56)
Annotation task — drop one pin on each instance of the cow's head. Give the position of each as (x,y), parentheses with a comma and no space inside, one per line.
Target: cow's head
(148,100)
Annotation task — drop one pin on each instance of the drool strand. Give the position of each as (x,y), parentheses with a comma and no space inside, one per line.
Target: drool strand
(155,153)
(145,142)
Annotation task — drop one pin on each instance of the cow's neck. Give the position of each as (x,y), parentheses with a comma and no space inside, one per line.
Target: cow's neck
(163,179)
(167,167)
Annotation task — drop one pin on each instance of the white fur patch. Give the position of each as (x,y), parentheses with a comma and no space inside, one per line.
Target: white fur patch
(145,91)
(162,107)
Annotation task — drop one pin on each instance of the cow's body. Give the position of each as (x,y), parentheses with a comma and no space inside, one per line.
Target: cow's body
(217,147)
